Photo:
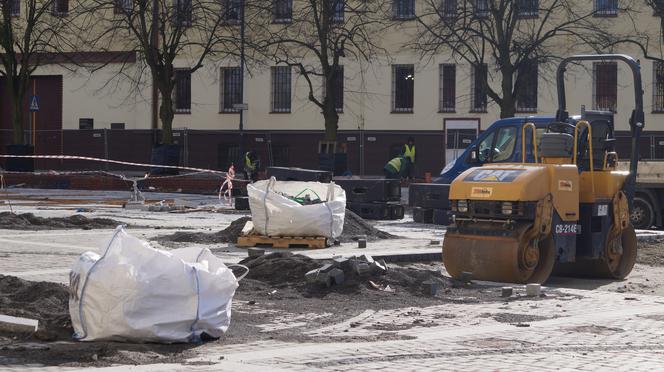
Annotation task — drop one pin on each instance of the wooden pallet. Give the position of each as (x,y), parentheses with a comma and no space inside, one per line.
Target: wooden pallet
(282,241)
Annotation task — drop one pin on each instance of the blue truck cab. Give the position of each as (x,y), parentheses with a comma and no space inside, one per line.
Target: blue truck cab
(500,143)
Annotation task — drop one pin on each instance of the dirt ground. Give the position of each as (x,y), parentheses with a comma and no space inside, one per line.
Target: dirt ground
(651,253)
(354,227)
(28,221)
(275,287)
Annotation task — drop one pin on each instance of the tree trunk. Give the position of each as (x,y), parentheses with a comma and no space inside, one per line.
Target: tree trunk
(14,92)
(507,103)
(166,114)
(331,124)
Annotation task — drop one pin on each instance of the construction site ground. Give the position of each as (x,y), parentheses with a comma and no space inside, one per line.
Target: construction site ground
(279,323)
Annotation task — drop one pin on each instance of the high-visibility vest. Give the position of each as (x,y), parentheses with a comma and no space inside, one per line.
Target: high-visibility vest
(396,164)
(409,152)
(248,163)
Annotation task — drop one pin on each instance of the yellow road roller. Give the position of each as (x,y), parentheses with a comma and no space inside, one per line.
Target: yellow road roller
(567,213)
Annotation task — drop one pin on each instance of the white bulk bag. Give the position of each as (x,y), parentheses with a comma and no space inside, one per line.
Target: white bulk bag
(274,214)
(134,292)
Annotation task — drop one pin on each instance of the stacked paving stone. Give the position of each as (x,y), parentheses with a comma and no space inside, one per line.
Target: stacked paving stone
(430,202)
(373,199)
(341,268)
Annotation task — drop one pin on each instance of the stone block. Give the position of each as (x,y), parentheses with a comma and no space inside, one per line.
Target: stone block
(255,252)
(13,324)
(337,276)
(533,290)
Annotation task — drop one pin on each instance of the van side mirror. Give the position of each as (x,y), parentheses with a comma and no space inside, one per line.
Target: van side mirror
(472,156)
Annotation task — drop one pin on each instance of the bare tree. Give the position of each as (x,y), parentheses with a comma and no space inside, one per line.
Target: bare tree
(161,32)
(30,32)
(316,37)
(501,38)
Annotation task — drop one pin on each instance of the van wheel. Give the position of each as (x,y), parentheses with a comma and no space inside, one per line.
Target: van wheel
(642,215)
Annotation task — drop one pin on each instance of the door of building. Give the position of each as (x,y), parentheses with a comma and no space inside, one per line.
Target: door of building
(459,134)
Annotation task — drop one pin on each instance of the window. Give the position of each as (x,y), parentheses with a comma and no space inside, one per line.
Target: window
(605,8)
(447,102)
(230,89)
(183,12)
(15,8)
(183,91)
(478,94)
(658,87)
(449,9)
(86,123)
(282,11)
(526,96)
(403,9)
(232,11)
(122,6)
(481,8)
(527,8)
(338,89)
(605,86)
(403,85)
(338,11)
(60,7)
(497,146)
(281,89)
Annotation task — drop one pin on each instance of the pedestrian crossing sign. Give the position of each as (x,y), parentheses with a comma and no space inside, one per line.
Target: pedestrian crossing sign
(34,103)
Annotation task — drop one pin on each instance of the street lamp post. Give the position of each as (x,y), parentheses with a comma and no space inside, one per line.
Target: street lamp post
(241,162)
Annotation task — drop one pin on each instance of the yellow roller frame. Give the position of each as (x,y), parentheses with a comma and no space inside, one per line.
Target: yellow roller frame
(586,124)
(523,141)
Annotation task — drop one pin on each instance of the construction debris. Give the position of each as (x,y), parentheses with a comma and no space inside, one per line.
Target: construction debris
(506,292)
(45,303)
(355,228)
(28,221)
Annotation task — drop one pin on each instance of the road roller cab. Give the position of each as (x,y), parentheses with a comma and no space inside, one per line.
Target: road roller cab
(566,213)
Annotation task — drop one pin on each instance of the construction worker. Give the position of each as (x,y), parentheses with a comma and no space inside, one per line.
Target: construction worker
(397,167)
(251,166)
(409,153)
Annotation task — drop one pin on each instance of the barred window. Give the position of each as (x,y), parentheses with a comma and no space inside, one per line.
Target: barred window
(230,88)
(122,6)
(526,96)
(658,87)
(449,8)
(282,11)
(338,11)
(183,12)
(481,8)
(478,94)
(605,8)
(60,7)
(281,88)
(15,8)
(403,88)
(183,91)
(605,86)
(232,10)
(338,83)
(403,9)
(527,8)
(447,102)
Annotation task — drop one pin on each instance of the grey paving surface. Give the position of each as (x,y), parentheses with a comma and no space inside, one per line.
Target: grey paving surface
(581,329)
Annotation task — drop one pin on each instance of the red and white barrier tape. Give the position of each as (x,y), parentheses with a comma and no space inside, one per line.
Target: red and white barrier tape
(72,157)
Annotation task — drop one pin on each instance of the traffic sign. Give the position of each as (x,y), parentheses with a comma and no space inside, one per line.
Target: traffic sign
(241,106)
(34,103)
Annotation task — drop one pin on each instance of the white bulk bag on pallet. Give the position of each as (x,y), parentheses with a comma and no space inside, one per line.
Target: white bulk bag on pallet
(133,292)
(274,214)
